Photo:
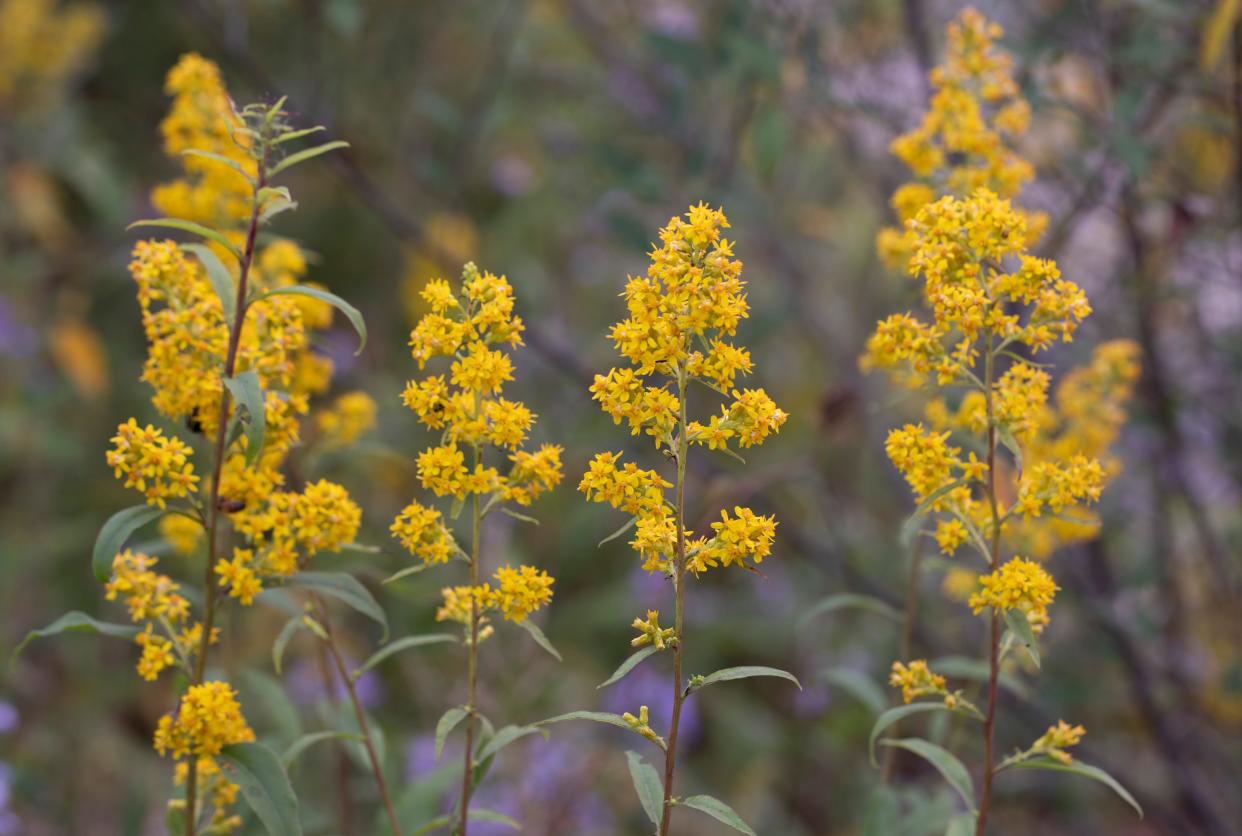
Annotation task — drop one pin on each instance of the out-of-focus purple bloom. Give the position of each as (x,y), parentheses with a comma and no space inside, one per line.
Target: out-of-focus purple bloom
(17,339)
(652,589)
(8,718)
(306,686)
(512,175)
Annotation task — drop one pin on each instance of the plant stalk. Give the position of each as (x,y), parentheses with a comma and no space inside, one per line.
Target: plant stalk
(679,579)
(363,727)
(213,511)
(472,676)
(989,723)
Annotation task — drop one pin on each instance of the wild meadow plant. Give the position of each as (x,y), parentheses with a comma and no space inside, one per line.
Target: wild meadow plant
(472,325)
(1002,469)
(680,317)
(230,360)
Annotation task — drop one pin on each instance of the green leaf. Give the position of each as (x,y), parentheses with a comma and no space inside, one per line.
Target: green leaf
(718,810)
(963,667)
(619,531)
(744,672)
(504,736)
(526,518)
(648,786)
(195,228)
(894,715)
(858,685)
(1021,627)
(274,207)
(1015,449)
(304,155)
(850,600)
(946,764)
(282,641)
(351,313)
(628,665)
(595,717)
(962,824)
(115,532)
(219,276)
(77,622)
(912,524)
(265,786)
(475,814)
(308,740)
(406,572)
(344,588)
(882,814)
(248,394)
(1086,770)
(448,721)
(539,637)
(219,158)
(399,645)
(292,135)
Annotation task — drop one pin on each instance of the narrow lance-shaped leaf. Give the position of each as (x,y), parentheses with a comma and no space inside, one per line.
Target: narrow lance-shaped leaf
(219,158)
(1086,770)
(946,764)
(595,717)
(911,526)
(743,672)
(858,685)
(265,786)
(504,736)
(628,525)
(191,227)
(1021,627)
(962,824)
(344,588)
(115,532)
(219,276)
(77,622)
(850,600)
(399,645)
(282,641)
(539,637)
(308,740)
(718,810)
(304,155)
(648,786)
(448,721)
(351,313)
(476,814)
(894,715)
(248,395)
(628,665)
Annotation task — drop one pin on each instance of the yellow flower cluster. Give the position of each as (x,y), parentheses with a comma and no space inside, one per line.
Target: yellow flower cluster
(345,421)
(966,139)
(421,530)
(155,601)
(1019,584)
(518,593)
(467,405)
(208,719)
(212,784)
(916,680)
(286,531)
(679,314)
(642,725)
(43,46)
(156,465)
(182,533)
(1056,740)
(650,632)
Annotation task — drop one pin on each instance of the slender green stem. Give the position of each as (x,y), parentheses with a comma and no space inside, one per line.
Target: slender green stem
(679,582)
(472,676)
(989,722)
(211,591)
(909,617)
(360,715)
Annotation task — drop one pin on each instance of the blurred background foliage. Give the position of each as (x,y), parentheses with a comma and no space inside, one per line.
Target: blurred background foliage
(548,140)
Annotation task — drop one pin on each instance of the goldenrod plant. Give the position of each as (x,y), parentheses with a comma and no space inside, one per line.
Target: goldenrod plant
(682,316)
(229,359)
(479,462)
(1002,469)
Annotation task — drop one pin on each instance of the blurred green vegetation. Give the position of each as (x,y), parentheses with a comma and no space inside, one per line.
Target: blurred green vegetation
(548,140)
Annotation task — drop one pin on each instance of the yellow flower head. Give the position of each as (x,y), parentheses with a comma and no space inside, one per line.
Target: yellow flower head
(916,680)
(521,591)
(421,530)
(151,463)
(208,719)
(1017,584)
(346,420)
(1057,739)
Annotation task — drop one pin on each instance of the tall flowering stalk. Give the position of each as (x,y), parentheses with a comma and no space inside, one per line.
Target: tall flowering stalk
(682,315)
(473,325)
(229,358)
(999,466)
